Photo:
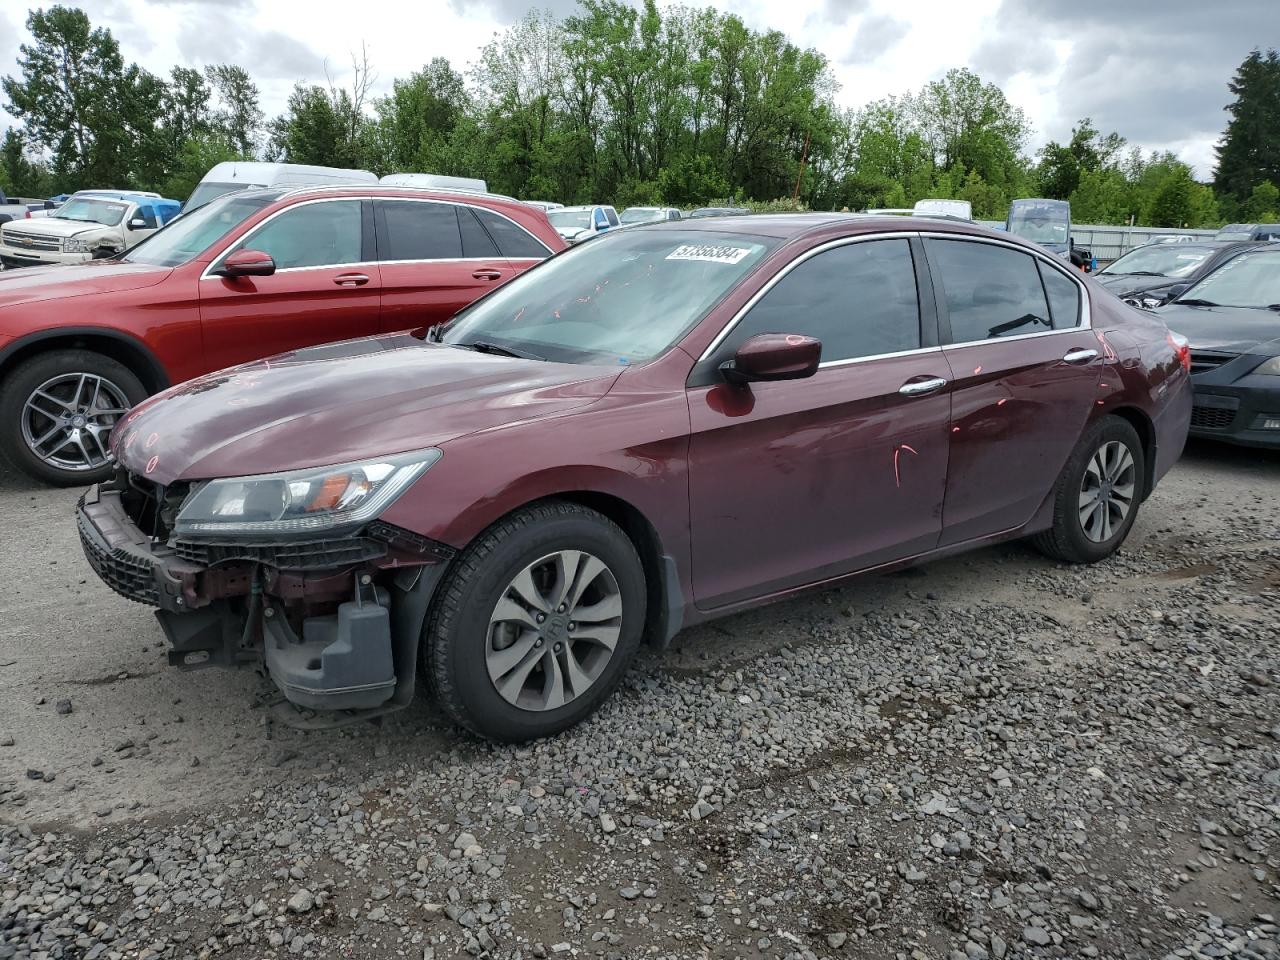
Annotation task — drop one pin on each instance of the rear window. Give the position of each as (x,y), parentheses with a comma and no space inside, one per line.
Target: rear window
(476,241)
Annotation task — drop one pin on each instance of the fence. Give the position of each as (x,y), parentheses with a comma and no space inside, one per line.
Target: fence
(1110,243)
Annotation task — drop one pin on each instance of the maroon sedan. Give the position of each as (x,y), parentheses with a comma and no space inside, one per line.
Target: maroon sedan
(662,426)
(249,275)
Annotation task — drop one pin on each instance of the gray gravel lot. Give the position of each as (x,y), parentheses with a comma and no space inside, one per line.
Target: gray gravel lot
(993,756)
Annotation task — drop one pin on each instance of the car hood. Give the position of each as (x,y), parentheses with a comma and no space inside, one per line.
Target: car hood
(1126,285)
(32,284)
(1228,329)
(57,227)
(339,403)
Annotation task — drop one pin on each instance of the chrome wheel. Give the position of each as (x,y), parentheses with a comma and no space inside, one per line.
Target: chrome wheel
(1107,491)
(67,419)
(553,630)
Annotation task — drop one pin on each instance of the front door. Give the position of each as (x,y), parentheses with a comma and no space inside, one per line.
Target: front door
(325,288)
(798,481)
(1026,369)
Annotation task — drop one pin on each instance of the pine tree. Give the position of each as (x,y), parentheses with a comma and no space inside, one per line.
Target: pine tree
(1247,154)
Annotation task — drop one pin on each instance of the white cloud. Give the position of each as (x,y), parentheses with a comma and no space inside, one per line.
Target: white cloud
(1058,61)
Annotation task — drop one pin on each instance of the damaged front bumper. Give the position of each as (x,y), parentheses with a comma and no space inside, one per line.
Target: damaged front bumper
(335,623)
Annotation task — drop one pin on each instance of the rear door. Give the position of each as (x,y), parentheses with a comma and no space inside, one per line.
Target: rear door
(798,481)
(1025,379)
(436,258)
(325,288)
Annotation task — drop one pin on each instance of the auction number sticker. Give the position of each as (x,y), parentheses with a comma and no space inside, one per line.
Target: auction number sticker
(710,253)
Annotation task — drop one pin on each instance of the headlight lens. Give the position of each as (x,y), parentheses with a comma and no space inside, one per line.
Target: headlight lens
(1269,368)
(314,501)
(72,245)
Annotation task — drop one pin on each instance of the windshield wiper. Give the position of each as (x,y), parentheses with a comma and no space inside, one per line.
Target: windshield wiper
(1197,302)
(1143,273)
(1274,306)
(485,346)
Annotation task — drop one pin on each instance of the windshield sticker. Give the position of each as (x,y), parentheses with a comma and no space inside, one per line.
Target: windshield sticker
(709,253)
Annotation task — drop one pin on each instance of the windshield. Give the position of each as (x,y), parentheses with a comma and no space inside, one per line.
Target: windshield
(1247,280)
(1038,226)
(569,219)
(1163,260)
(624,298)
(208,190)
(193,233)
(106,212)
(641,215)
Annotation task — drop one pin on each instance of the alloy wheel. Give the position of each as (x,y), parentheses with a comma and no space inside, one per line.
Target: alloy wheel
(553,630)
(1107,491)
(67,419)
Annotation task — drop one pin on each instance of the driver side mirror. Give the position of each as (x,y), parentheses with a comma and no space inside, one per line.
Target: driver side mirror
(137,223)
(247,263)
(773,356)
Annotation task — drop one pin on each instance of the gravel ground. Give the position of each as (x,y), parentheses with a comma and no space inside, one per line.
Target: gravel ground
(993,756)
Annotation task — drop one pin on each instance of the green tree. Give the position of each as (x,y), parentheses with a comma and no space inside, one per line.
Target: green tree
(1263,205)
(1171,206)
(1247,153)
(417,121)
(20,176)
(68,95)
(238,116)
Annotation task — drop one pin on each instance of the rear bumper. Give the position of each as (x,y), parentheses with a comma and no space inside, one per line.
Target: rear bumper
(1171,423)
(1246,412)
(333,638)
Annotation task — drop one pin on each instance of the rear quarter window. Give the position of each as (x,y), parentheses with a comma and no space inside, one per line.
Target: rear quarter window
(513,240)
(1064,297)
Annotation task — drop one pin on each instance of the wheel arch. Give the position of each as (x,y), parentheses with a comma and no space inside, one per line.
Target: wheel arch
(1146,430)
(662,588)
(121,347)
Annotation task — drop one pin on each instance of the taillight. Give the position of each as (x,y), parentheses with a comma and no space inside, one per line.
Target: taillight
(1182,347)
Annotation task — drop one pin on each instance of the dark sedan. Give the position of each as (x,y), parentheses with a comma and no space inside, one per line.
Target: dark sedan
(668,424)
(1158,272)
(1232,320)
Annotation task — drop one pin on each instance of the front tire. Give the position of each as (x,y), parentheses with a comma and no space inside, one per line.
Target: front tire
(56,414)
(1097,496)
(536,623)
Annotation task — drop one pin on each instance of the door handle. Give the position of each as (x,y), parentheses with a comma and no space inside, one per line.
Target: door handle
(351,279)
(1080,356)
(487,274)
(921,388)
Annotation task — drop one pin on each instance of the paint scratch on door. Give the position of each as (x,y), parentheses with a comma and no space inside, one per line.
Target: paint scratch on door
(897,454)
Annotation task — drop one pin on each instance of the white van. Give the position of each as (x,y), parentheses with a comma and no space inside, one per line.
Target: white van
(434,181)
(236,175)
(956,209)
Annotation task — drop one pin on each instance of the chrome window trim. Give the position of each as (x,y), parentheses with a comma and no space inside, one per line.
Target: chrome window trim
(807,255)
(208,273)
(1085,321)
(878,356)
(360,196)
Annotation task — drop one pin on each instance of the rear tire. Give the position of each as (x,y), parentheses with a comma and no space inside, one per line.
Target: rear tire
(536,623)
(1097,495)
(56,414)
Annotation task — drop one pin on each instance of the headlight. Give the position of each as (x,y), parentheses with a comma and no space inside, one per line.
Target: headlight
(1269,368)
(72,245)
(319,500)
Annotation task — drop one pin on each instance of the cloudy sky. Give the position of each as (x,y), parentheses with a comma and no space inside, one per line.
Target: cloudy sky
(1153,70)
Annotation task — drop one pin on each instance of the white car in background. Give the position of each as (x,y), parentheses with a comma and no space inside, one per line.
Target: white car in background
(233,175)
(633,215)
(575,224)
(544,204)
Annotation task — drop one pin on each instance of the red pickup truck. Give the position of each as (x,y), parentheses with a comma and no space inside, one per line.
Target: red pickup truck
(249,275)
